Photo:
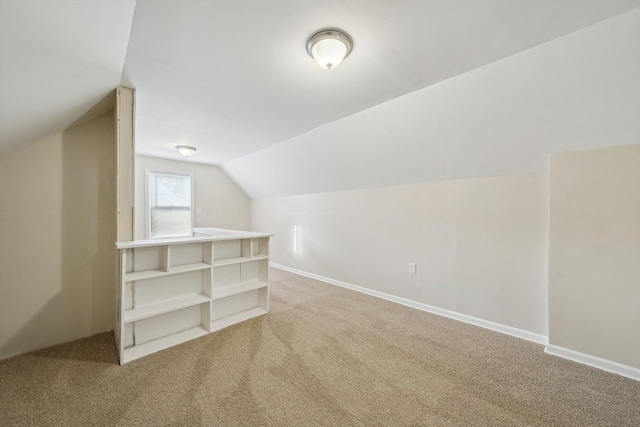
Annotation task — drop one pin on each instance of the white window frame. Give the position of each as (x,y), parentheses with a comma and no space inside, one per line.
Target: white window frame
(147,198)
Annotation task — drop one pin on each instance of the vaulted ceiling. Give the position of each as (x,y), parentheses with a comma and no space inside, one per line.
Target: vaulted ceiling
(233,77)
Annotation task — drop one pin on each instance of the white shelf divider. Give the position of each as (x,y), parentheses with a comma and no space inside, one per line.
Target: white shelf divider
(236,288)
(150,310)
(140,350)
(218,324)
(150,274)
(238,260)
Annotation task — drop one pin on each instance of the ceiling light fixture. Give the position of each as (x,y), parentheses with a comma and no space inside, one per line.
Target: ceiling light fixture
(185,150)
(329,47)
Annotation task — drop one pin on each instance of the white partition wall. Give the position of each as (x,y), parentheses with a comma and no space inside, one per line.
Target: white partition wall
(175,290)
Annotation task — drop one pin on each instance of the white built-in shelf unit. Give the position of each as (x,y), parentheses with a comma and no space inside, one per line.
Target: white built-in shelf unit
(174,290)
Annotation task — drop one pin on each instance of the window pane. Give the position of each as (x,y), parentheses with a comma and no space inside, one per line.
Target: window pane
(169,205)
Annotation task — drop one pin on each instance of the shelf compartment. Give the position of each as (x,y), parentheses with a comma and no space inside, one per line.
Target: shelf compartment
(237,260)
(167,287)
(190,253)
(228,249)
(138,351)
(237,288)
(162,307)
(237,307)
(260,247)
(157,327)
(250,269)
(232,319)
(150,274)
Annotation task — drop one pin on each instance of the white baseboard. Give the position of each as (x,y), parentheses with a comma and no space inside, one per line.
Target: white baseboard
(515,332)
(596,362)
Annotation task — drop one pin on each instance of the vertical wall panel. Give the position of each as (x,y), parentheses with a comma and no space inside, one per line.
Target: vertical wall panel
(594,253)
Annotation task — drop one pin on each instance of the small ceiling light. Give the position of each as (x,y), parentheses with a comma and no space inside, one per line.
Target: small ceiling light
(185,150)
(329,47)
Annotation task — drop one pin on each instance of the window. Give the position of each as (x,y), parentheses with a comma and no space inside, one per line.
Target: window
(169,204)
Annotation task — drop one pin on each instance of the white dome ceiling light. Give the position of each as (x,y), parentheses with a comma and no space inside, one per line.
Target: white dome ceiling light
(329,47)
(185,150)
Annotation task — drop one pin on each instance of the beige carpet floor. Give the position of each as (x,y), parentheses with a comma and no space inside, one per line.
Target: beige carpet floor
(322,356)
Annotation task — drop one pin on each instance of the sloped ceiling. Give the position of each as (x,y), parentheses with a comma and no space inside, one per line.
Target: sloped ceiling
(58,58)
(577,92)
(233,79)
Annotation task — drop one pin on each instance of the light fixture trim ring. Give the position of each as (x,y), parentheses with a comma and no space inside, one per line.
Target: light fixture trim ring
(330,33)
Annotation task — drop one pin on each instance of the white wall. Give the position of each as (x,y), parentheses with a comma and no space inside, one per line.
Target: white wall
(223,203)
(577,92)
(57,269)
(480,245)
(594,253)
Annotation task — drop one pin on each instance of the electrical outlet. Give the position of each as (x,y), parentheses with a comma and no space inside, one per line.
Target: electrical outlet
(412,268)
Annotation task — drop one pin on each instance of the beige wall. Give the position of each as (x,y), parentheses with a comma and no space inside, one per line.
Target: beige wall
(57,238)
(223,203)
(480,245)
(594,253)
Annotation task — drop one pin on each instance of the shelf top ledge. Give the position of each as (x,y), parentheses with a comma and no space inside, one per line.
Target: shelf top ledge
(201,234)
